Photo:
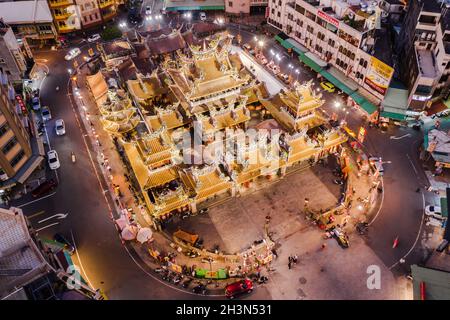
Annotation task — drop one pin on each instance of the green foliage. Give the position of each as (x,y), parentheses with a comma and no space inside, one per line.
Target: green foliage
(111,33)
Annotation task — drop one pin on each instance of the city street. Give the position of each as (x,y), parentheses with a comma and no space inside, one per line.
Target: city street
(109,265)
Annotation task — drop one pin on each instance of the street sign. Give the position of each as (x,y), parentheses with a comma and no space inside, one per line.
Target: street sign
(361,134)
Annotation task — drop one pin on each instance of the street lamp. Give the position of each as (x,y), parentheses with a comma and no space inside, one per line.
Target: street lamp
(123,24)
(69,71)
(297,71)
(337,104)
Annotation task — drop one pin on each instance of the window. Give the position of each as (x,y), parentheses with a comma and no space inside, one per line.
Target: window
(230,4)
(4,129)
(9,145)
(17,158)
(299,9)
(96,16)
(279,14)
(427,19)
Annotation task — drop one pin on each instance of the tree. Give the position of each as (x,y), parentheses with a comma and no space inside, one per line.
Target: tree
(111,33)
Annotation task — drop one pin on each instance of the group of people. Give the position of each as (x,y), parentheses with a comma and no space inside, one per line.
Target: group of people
(292,260)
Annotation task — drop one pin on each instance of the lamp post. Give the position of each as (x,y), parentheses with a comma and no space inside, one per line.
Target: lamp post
(297,71)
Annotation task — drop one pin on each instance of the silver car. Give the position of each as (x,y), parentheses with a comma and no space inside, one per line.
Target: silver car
(60,127)
(46,115)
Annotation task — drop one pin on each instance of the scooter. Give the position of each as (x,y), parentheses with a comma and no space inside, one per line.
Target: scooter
(73,157)
(262,280)
(186,283)
(338,182)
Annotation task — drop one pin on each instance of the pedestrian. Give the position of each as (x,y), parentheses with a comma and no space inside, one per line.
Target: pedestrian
(295,259)
(290,259)
(324,245)
(275,253)
(289,264)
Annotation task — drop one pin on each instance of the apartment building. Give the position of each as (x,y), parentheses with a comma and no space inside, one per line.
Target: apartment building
(15,147)
(31,21)
(424,42)
(340,33)
(12,59)
(73,15)
(237,7)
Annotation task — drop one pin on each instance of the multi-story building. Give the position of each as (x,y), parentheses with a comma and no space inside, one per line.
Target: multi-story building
(237,7)
(72,15)
(31,21)
(341,33)
(15,146)
(12,59)
(424,45)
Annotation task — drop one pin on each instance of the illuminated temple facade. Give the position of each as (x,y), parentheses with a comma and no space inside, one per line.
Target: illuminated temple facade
(196,109)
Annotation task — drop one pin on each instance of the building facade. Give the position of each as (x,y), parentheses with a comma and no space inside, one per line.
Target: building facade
(73,15)
(12,59)
(237,7)
(425,45)
(341,34)
(15,147)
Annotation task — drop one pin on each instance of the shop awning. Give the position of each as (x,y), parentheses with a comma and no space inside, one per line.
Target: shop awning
(444,207)
(316,59)
(363,103)
(309,62)
(337,82)
(393,115)
(32,164)
(296,46)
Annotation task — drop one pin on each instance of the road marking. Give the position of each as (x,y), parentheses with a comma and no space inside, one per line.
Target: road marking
(58,216)
(418,234)
(36,214)
(47,196)
(401,137)
(50,225)
(381,204)
(79,260)
(412,164)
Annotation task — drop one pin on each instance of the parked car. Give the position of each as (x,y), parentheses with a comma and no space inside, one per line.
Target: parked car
(46,115)
(58,237)
(53,160)
(93,38)
(441,114)
(327,86)
(43,188)
(148,10)
(60,127)
(72,54)
(434,211)
(202,16)
(36,103)
(238,287)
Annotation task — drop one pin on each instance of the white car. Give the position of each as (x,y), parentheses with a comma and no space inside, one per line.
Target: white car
(93,37)
(202,16)
(434,211)
(46,115)
(53,160)
(72,54)
(60,127)
(148,10)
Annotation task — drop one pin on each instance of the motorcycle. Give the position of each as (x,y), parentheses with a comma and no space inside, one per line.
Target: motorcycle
(73,157)
(362,228)
(177,279)
(200,289)
(338,182)
(186,283)
(203,210)
(262,280)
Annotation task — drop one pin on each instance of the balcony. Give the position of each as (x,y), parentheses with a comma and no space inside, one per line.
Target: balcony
(66,28)
(107,15)
(63,16)
(60,3)
(106,3)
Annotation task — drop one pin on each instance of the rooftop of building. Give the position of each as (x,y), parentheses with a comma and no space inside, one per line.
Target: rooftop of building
(432,5)
(426,63)
(21,261)
(353,13)
(21,12)
(436,283)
